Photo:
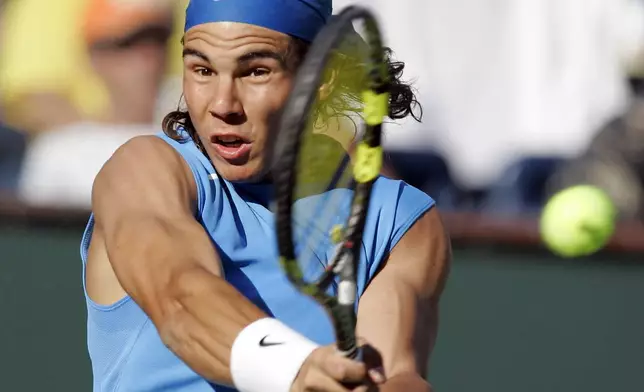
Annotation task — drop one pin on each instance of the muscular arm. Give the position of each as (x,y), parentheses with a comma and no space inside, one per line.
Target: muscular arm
(398,313)
(143,203)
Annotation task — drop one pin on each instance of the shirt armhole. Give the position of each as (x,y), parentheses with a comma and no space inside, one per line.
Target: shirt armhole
(411,204)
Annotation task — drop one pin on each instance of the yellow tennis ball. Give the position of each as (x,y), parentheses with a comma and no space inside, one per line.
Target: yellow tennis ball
(578,221)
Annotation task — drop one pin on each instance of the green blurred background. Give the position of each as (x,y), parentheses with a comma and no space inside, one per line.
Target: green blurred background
(513,319)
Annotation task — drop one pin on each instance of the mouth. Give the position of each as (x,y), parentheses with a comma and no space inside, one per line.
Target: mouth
(232,148)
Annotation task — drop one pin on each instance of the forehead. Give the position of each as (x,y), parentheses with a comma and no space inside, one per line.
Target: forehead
(235,37)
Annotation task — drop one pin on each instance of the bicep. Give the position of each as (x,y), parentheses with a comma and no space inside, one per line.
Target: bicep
(398,313)
(143,202)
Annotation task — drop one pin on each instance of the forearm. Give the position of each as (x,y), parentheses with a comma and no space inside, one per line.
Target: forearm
(205,316)
(408,382)
(197,313)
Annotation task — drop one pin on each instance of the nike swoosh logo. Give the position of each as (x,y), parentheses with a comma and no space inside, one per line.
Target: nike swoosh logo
(264,343)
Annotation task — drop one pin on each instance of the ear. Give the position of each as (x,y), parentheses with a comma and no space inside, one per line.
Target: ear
(342,129)
(327,88)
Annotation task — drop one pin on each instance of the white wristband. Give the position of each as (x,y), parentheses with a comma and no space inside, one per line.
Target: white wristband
(267,356)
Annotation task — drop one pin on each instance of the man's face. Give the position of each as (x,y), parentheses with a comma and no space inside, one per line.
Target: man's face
(236,80)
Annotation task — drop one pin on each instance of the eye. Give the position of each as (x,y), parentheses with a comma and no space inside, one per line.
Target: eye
(204,72)
(258,72)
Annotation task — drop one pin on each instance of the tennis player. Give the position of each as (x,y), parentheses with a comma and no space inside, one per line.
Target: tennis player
(184,290)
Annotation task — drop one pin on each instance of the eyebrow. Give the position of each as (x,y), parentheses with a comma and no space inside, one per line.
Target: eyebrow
(195,53)
(262,54)
(248,57)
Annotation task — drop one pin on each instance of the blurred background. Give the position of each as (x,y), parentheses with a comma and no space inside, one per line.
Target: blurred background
(521,98)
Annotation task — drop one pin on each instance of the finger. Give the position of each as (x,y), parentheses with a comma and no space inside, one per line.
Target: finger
(374,363)
(377,376)
(344,370)
(370,387)
(371,357)
(319,381)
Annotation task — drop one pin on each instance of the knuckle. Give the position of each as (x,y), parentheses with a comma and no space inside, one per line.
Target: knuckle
(317,357)
(340,372)
(312,380)
(334,368)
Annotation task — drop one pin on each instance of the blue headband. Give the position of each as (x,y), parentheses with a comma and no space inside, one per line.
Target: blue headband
(300,18)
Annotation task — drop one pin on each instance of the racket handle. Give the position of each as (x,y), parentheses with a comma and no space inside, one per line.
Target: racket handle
(359,355)
(356,355)
(344,320)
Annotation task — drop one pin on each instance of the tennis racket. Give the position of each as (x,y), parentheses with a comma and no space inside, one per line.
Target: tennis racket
(328,156)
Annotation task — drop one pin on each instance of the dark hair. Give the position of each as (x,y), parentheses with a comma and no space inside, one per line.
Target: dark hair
(402,97)
(346,85)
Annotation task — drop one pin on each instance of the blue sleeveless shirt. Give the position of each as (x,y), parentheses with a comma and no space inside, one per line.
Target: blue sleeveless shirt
(126,351)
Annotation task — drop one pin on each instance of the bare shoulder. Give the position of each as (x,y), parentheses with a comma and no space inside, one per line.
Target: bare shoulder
(143,155)
(146,173)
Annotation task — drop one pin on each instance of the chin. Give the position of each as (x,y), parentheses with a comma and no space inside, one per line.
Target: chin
(249,172)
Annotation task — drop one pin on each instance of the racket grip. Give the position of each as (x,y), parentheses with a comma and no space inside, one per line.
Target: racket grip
(344,320)
(356,355)
(359,356)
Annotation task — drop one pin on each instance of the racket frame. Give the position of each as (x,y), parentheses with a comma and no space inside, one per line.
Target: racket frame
(367,163)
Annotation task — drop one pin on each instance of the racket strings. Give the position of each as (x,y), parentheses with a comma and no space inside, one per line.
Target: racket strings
(314,221)
(325,185)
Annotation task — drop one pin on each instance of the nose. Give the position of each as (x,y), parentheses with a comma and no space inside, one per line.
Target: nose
(226,104)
